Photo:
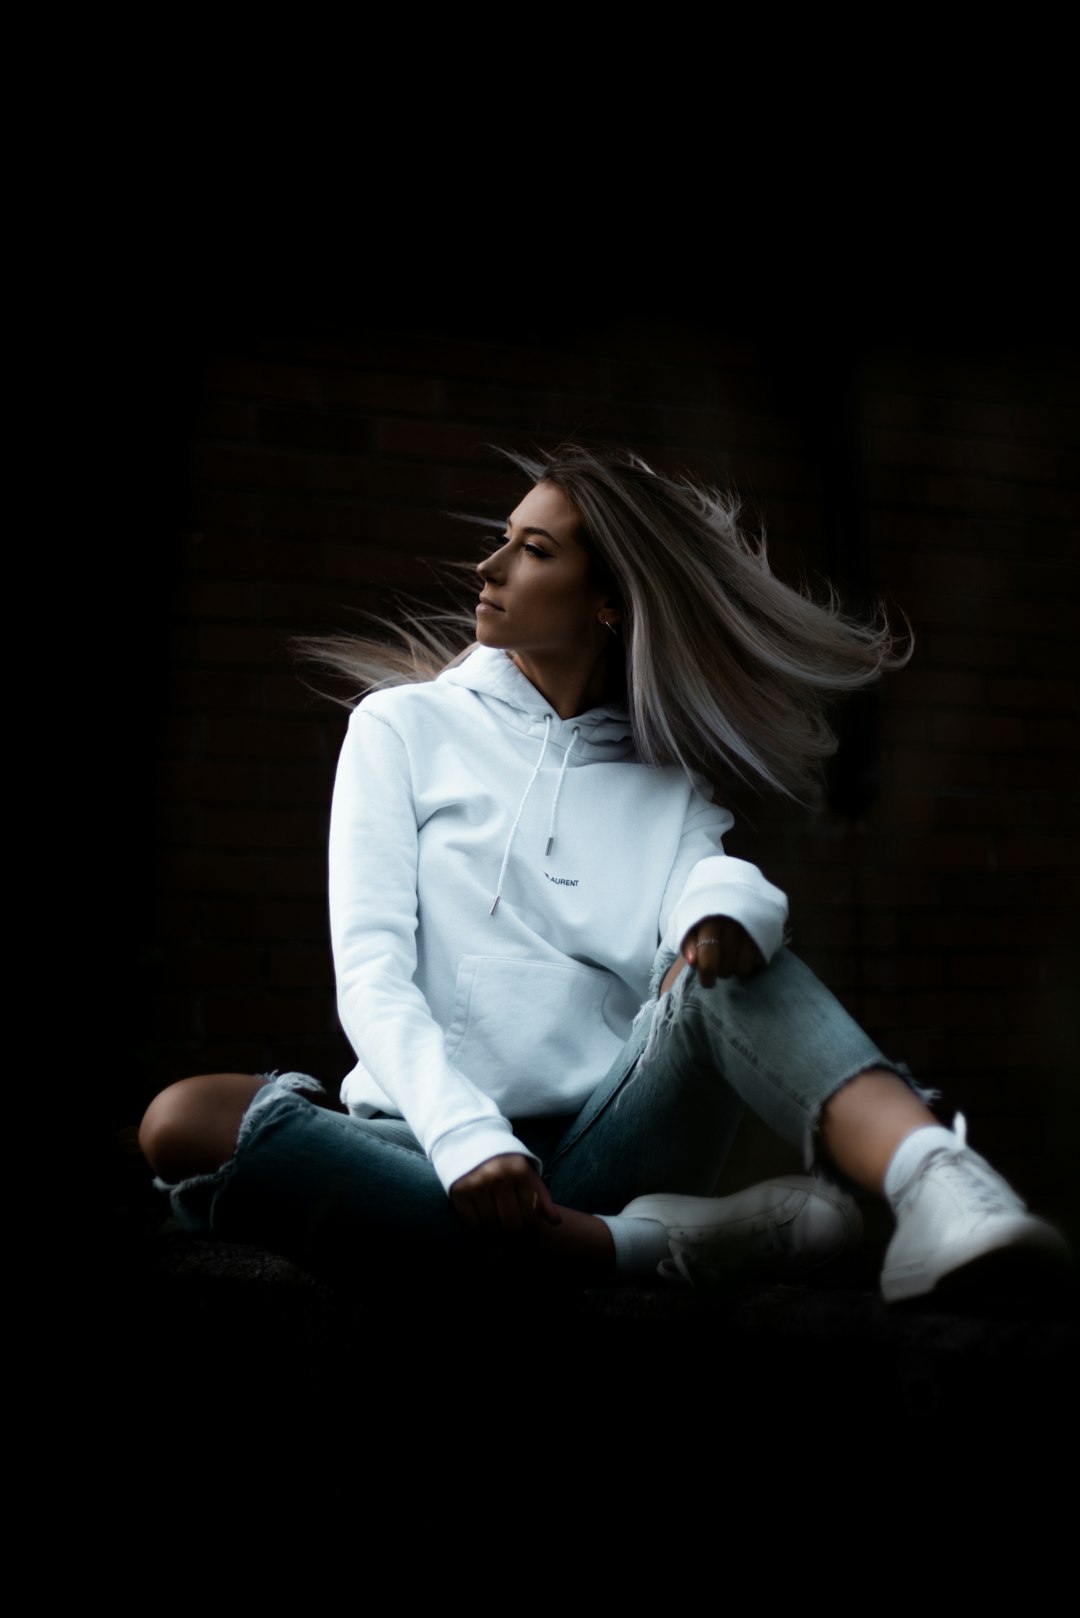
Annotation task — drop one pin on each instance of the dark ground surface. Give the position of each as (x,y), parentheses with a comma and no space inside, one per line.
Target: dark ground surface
(783,1363)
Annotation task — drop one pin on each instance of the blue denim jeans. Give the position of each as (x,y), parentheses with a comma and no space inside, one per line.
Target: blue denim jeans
(326,1188)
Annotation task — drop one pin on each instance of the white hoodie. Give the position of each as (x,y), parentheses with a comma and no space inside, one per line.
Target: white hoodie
(468,789)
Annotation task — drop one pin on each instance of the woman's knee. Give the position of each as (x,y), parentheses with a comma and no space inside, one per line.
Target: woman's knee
(192,1127)
(672,973)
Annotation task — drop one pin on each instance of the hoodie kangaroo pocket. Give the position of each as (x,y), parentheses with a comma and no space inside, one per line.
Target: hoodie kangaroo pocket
(520,1027)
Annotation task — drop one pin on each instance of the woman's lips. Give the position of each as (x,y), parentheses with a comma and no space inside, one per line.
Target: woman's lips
(487,606)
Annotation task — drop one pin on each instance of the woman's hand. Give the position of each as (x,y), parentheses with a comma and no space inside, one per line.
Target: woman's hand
(719,947)
(505,1192)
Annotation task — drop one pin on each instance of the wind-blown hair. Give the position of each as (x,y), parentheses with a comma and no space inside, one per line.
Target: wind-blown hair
(729,671)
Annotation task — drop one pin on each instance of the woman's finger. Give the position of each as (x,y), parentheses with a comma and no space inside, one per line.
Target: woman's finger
(540,1208)
(507,1192)
(708,954)
(463,1207)
(720,947)
(707,964)
(507,1208)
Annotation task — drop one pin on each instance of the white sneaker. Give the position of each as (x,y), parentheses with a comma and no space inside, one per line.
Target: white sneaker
(958,1223)
(779,1229)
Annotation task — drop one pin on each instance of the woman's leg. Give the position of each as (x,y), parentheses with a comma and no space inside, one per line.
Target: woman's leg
(268,1161)
(666,1114)
(193,1126)
(864,1122)
(787,1047)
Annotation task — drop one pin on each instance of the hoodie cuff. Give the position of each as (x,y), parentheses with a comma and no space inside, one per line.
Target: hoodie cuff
(723,886)
(465,1149)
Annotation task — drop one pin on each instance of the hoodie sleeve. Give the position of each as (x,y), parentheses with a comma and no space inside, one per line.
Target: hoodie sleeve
(373,921)
(707,882)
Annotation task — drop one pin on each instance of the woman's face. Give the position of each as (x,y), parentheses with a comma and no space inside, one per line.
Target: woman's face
(537,597)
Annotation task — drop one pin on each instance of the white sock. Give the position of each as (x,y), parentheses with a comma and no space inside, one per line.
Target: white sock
(911,1153)
(640,1245)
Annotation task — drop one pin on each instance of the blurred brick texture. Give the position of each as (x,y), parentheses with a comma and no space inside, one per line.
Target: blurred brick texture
(933,888)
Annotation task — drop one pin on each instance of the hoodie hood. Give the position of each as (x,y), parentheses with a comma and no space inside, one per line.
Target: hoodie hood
(602,735)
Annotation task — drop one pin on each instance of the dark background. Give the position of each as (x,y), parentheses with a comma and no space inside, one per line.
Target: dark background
(268,464)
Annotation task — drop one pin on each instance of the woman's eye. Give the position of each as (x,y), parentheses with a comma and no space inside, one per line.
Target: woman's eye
(533,550)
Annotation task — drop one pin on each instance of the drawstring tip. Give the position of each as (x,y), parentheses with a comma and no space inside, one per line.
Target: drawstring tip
(548,849)
(494,902)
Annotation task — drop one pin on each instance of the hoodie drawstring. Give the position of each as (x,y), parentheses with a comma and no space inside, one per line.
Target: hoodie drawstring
(525,798)
(558,789)
(521,810)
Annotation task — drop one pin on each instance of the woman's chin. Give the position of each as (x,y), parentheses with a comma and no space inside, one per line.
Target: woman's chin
(487,630)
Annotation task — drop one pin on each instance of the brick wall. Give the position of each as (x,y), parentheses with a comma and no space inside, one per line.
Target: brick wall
(934,887)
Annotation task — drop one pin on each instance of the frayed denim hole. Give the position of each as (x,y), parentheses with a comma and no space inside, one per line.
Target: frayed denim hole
(298,1082)
(663,1013)
(191,1200)
(664,961)
(277,1085)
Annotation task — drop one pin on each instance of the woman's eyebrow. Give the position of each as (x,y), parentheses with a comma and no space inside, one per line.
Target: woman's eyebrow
(541,531)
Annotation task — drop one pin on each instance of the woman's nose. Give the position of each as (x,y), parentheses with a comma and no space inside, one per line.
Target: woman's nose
(492,565)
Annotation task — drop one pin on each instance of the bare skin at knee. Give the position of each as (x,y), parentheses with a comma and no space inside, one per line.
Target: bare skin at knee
(672,973)
(192,1127)
(865,1121)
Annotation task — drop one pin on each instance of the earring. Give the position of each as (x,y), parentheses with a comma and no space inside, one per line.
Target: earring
(607,623)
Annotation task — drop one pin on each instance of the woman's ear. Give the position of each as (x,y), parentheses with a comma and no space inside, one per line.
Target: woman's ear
(610,615)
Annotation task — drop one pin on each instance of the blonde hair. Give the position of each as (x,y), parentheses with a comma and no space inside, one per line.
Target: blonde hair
(729,671)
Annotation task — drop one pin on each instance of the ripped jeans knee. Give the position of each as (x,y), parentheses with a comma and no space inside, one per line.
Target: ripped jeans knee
(779,1038)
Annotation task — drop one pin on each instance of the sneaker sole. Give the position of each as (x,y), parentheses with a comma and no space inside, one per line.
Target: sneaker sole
(1007,1276)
